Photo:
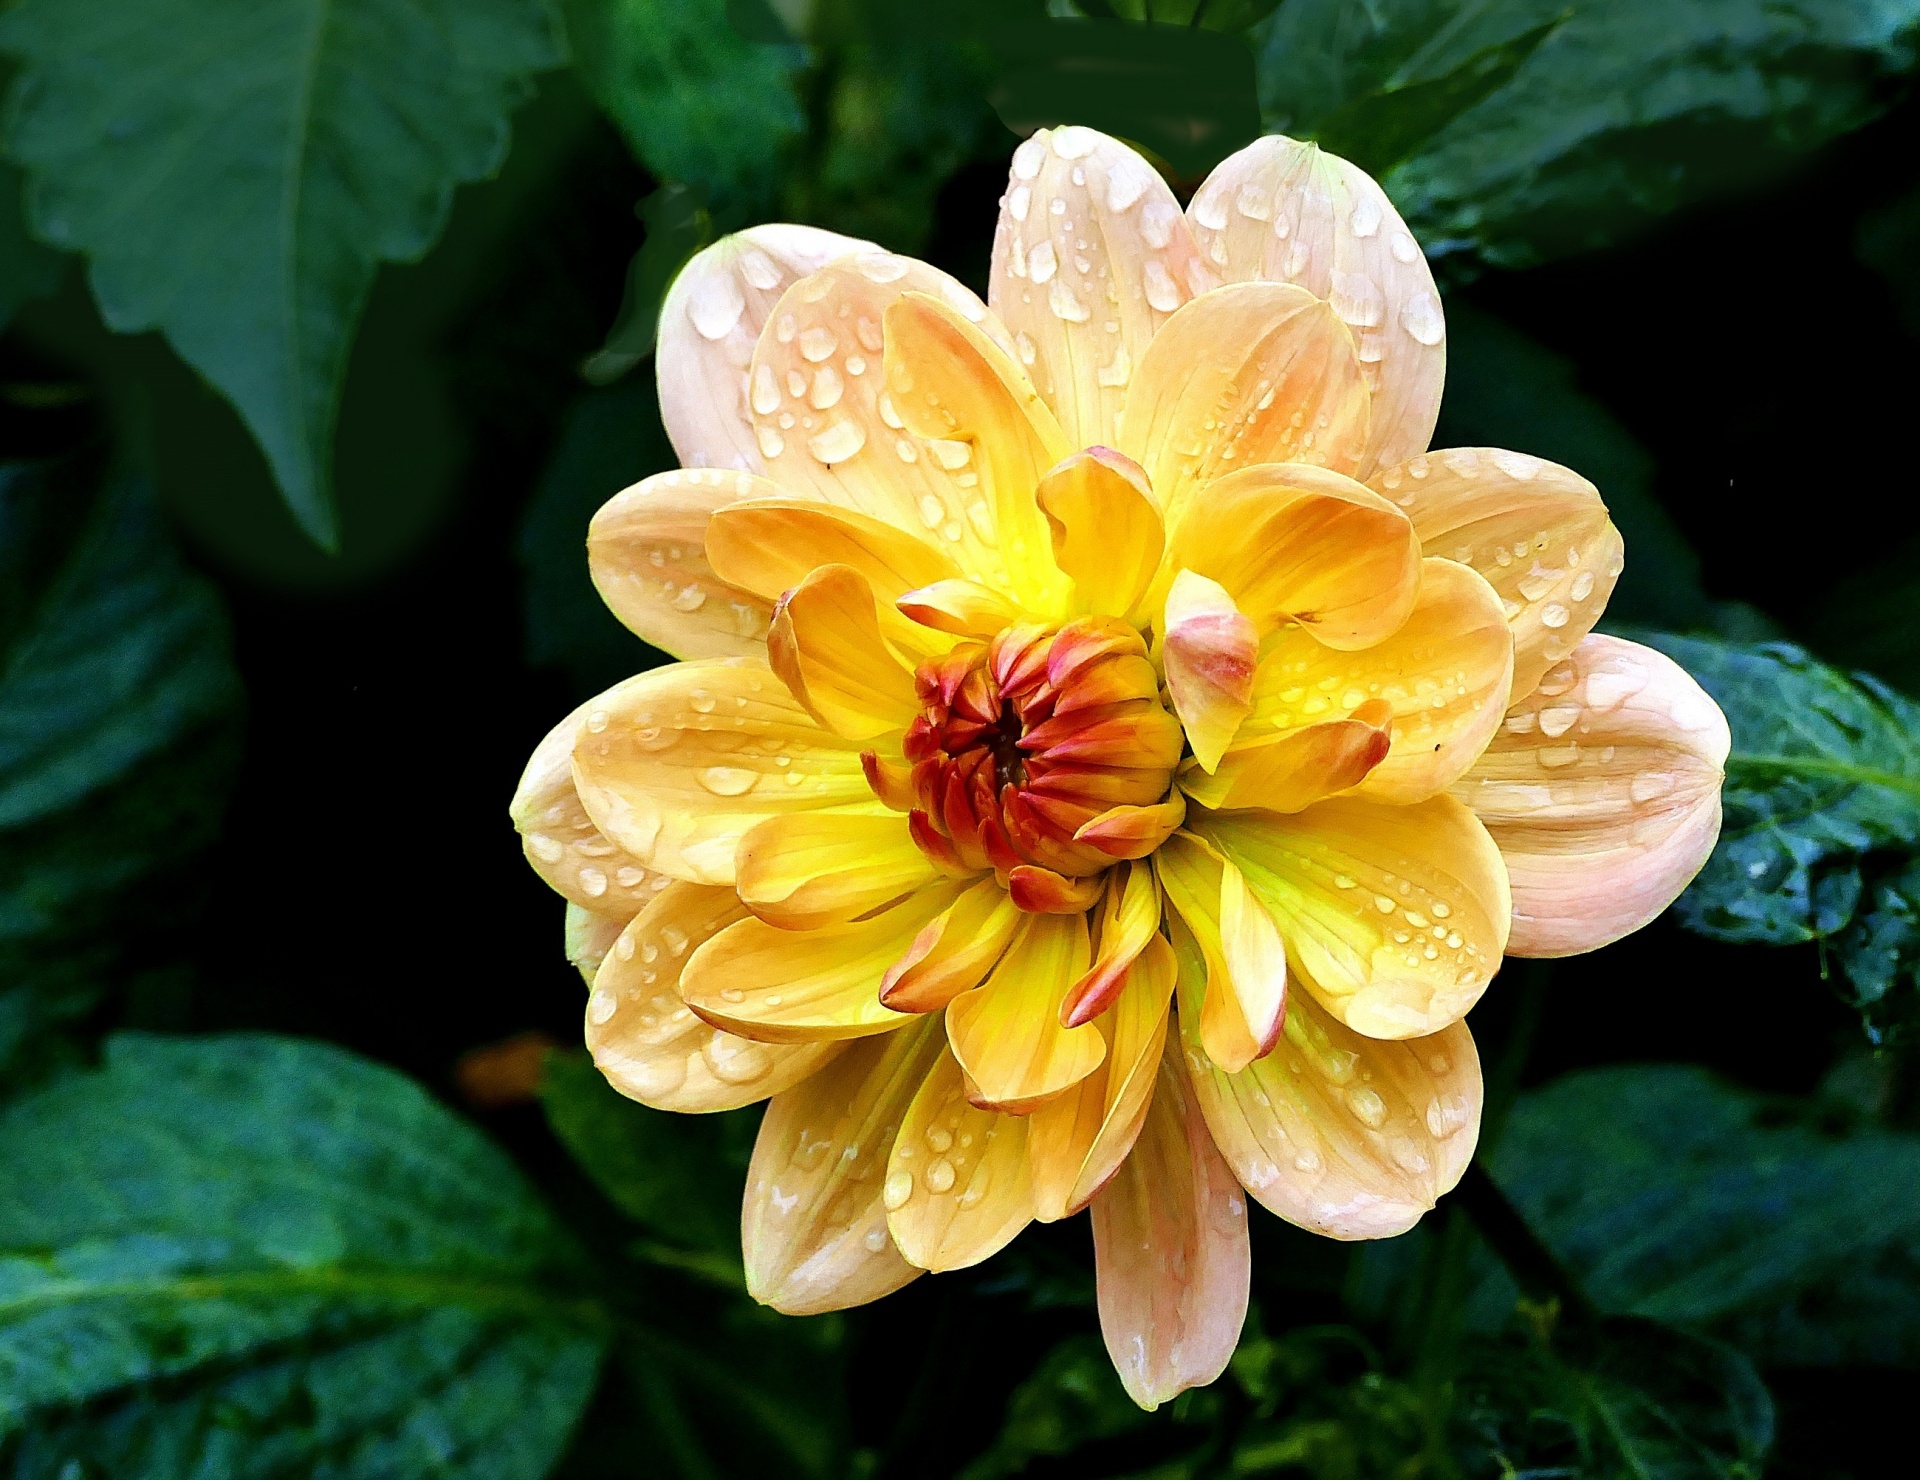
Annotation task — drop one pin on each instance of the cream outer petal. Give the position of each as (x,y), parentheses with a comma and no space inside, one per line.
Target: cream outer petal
(1602,790)
(1090,257)
(709,322)
(1283,211)
(1171,1254)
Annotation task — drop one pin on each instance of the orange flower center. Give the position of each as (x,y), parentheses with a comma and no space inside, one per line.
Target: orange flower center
(1033,746)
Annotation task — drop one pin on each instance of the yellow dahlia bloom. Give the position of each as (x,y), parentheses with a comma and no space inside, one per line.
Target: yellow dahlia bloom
(1110,752)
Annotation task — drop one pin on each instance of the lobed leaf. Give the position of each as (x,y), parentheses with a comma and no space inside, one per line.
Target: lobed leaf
(253,1256)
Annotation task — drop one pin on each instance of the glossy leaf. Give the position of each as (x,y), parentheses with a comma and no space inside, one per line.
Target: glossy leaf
(235,173)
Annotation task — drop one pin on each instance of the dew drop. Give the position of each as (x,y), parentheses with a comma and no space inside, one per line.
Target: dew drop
(1421,317)
(1064,305)
(1210,209)
(898,1188)
(838,442)
(818,343)
(1162,293)
(1041,262)
(1364,220)
(1357,299)
(1018,200)
(715,306)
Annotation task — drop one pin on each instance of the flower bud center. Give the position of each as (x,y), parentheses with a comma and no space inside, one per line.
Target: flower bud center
(1028,738)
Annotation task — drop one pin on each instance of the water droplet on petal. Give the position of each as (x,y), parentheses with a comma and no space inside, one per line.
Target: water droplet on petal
(818,343)
(1365,217)
(1421,317)
(728,781)
(1041,262)
(1018,200)
(715,305)
(1064,305)
(1162,293)
(838,442)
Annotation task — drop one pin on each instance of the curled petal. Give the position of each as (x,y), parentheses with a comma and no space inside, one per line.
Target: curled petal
(1250,373)
(647,552)
(1291,771)
(1129,918)
(1537,531)
(1133,831)
(814,1224)
(802,986)
(647,1043)
(958,1188)
(1078,1139)
(954,951)
(559,838)
(809,869)
(1345,1135)
(951,383)
(1040,891)
(962,607)
(1246,985)
(589,937)
(1210,651)
(1302,545)
(709,323)
(1171,1253)
(1394,917)
(1090,257)
(1283,211)
(767,545)
(677,765)
(825,423)
(1106,529)
(1602,790)
(1007,1034)
(1439,685)
(827,647)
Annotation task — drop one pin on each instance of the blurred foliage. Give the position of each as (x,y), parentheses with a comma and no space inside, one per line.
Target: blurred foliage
(119,734)
(1821,840)
(299,1264)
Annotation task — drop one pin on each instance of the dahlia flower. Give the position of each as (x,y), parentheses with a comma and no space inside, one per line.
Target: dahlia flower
(1109,753)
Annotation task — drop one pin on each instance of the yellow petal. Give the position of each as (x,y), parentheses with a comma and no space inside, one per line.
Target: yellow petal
(1394,917)
(1171,1254)
(1345,1135)
(826,645)
(809,869)
(1537,531)
(1284,212)
(677,765)
(1106,530)
(1078,1139)
(646,550)
(1090,257)
(962,607)
(1288,771)
(589,937)
(800,986)
(559,838)
(1246,996)
(957,1188)
(1129,917)
(1439,684)
(950,382)
(709,322)
(1130,831)
(954,951)
(1210,650)
(1296,544)
(814,1230)
(647,1043)
(1007,1033)
(767,545)
(1603,791)
(1250,373)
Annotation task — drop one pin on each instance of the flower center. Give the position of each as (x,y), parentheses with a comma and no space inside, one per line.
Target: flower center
(1032,745)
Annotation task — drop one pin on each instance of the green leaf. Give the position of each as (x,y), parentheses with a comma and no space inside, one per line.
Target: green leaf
(678,1176)
(677,226)
(236,171)
(1626,111)
(696,100)
(1183,92)
(1071,1400)
(119,731)
(27,269)
(1633,1401)
(1676,1196)
(1822,825)
(253,1256)
(612,438)
(1506,390)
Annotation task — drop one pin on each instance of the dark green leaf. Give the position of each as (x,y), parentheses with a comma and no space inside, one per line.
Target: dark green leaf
(677,226)
(27,269)
(678,1176)
(236,171)
(612,438)
(1072,1399)
(1675,1196)
(1185,93)
(251,1256)
(1505,390)
(1213,15)
(1632,1401)
(1822,815)
(119,710)
(1624,112)
(697,101)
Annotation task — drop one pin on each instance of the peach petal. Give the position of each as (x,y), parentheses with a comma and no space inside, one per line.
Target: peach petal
(958,1189)
(559,839)
(1210,650)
